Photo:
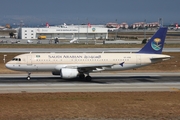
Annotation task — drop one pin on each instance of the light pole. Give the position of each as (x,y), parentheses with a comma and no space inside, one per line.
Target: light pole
(4,59)
(161,22)
(116,30)
(145,29)
(78,30)
(87,32)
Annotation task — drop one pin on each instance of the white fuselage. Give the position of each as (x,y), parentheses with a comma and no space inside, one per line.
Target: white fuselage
(100,61)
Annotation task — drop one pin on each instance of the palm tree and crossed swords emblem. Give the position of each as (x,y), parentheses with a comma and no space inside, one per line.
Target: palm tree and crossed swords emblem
(155,44)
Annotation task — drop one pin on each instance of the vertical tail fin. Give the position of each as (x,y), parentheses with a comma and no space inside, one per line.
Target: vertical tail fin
(156,43)
(47,25)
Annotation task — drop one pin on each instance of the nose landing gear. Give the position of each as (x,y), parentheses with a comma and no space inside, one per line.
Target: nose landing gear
(29,77)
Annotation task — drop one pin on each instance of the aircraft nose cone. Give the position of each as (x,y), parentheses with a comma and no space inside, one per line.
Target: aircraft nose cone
(9,66)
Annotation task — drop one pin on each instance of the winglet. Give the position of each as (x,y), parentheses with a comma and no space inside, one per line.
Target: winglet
(156,43)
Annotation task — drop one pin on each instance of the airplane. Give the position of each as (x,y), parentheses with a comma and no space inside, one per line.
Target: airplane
(74,40)
(64,26)
(72,65)
(47,25)
(113,29)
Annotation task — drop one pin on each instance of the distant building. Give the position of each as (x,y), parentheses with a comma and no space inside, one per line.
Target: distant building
(174,26)
(65,32)
(143,24)
(8,26)
(124,25)
(154,24)
(116,25)
(112,25)
(138,24)
(2,27)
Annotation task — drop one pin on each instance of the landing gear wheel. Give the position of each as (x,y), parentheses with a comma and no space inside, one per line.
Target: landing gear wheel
(88,78)
(29,77)
(82,76)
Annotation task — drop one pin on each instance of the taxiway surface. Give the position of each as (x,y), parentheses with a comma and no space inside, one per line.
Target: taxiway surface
(102,82)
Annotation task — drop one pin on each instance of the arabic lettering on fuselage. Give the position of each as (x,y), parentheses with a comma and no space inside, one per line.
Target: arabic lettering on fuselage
(92,56)
(76,56)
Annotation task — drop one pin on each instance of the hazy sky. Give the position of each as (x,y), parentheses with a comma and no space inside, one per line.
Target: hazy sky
(84,11)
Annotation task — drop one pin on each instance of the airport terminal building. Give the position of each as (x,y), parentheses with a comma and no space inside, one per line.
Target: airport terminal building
(65,32)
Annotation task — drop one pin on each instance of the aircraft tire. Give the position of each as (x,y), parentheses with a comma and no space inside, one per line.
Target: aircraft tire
(88,78)
(28,78)
(82,76)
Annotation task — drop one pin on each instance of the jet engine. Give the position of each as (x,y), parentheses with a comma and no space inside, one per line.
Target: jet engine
(68,73)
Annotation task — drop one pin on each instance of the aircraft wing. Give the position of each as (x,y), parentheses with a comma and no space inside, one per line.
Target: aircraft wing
(88,68)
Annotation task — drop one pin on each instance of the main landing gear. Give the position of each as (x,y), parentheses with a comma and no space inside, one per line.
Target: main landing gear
(29,77)
(87,78)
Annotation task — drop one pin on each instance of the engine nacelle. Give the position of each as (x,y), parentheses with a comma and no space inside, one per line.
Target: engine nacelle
(68,73)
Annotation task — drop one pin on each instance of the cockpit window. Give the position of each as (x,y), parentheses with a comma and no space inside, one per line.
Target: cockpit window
(16,59)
